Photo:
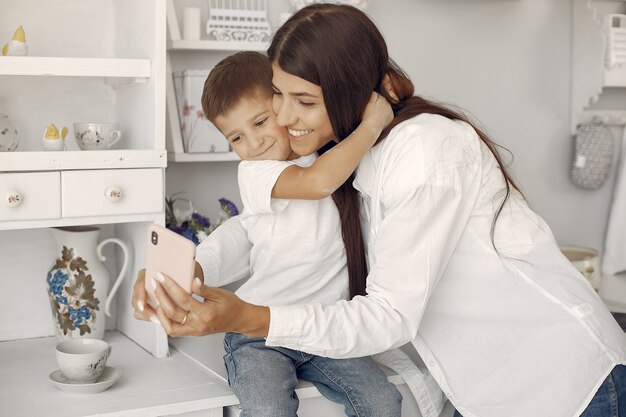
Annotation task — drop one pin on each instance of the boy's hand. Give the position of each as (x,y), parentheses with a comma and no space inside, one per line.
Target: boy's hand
(377,114)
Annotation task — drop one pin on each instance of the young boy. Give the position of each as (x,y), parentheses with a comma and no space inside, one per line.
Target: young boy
(297,252)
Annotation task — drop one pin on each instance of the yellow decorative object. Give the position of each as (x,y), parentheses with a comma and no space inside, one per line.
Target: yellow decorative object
(52,132)
(19,35)
(16,46)
(52,140)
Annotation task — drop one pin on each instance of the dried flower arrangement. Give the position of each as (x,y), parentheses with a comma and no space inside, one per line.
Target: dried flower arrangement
(191,224)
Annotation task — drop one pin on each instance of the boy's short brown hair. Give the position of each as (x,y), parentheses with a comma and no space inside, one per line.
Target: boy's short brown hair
(244,74)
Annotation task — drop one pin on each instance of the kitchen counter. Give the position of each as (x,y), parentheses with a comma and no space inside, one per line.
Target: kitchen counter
(148,386)
(184,383)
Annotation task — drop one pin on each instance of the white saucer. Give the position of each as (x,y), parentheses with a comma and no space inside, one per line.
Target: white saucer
(106,379)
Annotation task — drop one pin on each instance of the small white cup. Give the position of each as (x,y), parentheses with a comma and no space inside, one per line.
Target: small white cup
(586,260)
(82,361)
(96,136)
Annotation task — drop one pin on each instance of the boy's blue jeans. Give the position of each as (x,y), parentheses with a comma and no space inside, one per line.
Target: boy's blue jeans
(264,379)
(610,400)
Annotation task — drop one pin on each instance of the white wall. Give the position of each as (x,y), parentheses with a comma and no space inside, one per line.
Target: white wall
(507,63)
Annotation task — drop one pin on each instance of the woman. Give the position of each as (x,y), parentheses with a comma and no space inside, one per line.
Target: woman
(458,263)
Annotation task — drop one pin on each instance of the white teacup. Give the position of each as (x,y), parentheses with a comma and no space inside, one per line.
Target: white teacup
(586,260)
(96,136)
(82,361)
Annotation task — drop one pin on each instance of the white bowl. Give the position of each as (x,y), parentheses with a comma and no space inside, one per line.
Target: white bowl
(586,260)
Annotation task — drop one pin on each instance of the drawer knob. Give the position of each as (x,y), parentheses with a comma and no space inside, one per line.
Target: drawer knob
(13,199)
(113,193)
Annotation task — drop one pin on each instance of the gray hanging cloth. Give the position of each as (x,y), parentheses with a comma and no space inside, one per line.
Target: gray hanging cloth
(593,155)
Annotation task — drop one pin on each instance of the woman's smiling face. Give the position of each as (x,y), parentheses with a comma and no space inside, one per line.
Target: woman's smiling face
(299,106)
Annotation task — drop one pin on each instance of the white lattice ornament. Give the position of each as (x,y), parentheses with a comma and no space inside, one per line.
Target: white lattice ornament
(238,20)
(361,4)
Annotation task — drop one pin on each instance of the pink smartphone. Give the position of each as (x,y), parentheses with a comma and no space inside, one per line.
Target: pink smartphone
(172,255)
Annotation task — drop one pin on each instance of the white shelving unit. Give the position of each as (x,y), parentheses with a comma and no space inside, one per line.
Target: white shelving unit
(99,61)
(176,151)
(76,73)
(76,67)
(63,160)
(112,71)
(589,73)
(203,157)
(211,45)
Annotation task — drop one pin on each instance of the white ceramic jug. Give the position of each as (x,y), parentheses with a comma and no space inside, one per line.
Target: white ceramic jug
(78,282)
(9,137)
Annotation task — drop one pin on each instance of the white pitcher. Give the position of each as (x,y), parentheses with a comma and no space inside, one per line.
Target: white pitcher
(78,281)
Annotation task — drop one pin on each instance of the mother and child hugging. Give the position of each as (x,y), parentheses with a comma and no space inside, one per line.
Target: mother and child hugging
(374,218)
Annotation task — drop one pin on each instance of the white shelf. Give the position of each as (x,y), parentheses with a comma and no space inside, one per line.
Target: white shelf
(75,67)
(147,387)
(203,157)
(68,160)
(210,45)
(80,221)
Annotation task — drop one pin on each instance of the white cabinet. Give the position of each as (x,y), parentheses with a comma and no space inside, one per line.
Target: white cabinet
(72,197)
(89,61)
(112,192)
(96,61)
(24,194)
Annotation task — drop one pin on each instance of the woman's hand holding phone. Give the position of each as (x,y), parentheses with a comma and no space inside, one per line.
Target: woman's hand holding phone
(218,311)
(162,293)
(143,309)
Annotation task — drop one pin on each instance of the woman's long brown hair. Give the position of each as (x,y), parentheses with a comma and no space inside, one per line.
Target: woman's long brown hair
(340,49)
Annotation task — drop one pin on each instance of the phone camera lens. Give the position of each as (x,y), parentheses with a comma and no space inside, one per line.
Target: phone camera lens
(155,238)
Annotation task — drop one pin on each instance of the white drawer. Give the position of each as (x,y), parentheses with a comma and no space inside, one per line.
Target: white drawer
(111,192)
(30,196)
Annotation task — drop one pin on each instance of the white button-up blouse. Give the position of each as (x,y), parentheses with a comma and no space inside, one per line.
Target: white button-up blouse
(510,331)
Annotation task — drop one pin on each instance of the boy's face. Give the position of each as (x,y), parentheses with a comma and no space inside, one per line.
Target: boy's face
(251,129)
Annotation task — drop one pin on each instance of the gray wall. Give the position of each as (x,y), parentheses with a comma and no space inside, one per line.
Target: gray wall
(508,64)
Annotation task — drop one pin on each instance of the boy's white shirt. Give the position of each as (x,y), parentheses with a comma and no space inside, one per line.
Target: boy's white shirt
(297,252)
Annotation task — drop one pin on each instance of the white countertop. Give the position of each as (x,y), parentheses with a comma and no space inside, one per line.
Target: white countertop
(147,387)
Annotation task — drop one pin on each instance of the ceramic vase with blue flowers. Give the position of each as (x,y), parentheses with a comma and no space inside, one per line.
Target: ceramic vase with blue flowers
(78,282)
